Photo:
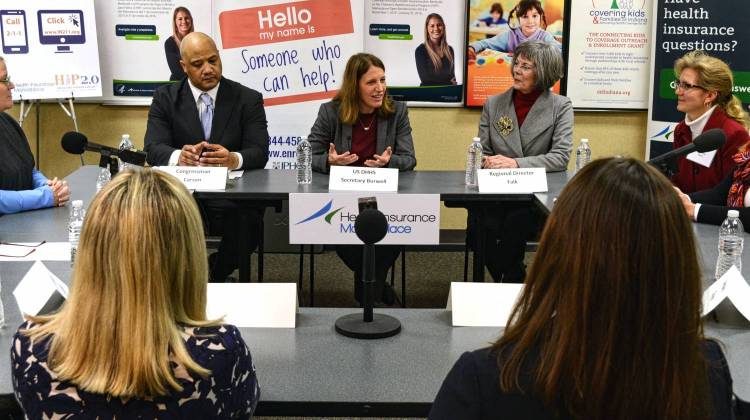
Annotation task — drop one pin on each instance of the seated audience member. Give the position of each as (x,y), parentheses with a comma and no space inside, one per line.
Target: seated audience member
(608,325)
(362,126)
(528,126)
(208,120)
(133,340)
(22,186)
(711,206)
(704,94)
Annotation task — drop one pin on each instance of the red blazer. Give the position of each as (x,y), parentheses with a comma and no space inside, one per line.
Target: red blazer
(694,177)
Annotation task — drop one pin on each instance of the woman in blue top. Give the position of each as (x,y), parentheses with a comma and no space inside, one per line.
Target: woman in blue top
(530,17)
(22,186)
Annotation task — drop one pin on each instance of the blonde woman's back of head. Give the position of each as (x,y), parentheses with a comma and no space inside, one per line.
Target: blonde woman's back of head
(140,274)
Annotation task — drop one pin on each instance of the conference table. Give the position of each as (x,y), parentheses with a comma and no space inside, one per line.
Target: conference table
(313,371)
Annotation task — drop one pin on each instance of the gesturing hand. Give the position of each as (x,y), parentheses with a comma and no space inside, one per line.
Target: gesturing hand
(335,159)
(380,161)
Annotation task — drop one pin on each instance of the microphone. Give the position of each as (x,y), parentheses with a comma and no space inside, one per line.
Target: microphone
(76,143)
(710,140)
(370,226)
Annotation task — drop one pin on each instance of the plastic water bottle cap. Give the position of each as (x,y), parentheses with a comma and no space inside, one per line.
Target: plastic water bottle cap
(476,139)
(733,213)
(77,203)
(584,140)
(126,136)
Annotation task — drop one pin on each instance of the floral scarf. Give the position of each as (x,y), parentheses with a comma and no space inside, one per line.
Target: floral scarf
(741,179)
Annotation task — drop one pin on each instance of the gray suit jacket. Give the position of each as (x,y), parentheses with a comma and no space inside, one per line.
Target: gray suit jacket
(395,131)
(545,139)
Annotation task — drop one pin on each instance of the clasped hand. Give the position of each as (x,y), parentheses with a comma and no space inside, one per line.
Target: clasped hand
(347,158)
(207,154)
(60,191)
(498,162)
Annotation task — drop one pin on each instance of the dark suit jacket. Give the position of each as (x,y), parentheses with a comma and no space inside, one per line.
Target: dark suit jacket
(713,209)
(472,390)
(239,123)
(395,131)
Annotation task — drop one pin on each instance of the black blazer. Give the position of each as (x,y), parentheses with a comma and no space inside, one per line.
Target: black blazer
(714,207)
(239,123)
(472,390)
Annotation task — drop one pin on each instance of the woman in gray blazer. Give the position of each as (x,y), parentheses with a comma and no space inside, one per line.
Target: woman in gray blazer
(362,126)
(528,126)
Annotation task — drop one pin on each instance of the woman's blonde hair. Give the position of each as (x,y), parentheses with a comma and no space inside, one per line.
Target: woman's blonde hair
(437,52)
(139,275)
(348,95)
(714,75)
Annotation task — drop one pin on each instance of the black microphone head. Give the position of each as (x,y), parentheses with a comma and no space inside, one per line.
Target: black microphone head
(710,140)
(74,142)
(370,226)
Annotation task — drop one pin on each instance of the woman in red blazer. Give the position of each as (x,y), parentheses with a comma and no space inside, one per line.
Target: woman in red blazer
(704,94)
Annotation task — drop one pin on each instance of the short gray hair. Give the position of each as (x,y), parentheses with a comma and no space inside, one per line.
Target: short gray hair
(547,59)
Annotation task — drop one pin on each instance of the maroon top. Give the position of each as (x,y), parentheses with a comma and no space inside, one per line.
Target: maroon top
(364,141)
(523,103)
(695,177)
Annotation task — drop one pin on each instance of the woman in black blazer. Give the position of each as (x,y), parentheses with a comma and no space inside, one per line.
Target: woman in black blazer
(733,193)
(608,325)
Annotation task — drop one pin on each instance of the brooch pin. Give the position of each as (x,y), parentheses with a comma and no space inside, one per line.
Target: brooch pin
(505,124)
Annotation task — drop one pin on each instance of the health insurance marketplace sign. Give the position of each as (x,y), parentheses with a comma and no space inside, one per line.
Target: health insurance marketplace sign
(720,28)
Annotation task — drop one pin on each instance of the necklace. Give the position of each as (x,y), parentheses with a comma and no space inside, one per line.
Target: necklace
(368,126)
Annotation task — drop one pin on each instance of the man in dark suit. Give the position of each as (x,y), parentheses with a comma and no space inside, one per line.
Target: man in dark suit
(207,120)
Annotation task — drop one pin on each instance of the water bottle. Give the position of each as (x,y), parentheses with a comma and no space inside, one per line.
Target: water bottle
(125,144)
(730,244)
(74,227)
(103,178)
(473,162)
(304,161)
(583,154)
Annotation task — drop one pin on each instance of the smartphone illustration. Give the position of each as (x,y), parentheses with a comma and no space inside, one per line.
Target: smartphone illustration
(15,38)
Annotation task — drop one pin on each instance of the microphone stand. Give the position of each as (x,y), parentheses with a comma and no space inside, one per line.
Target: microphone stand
(368,325)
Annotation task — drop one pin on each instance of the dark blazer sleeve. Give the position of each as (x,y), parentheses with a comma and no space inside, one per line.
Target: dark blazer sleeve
(158,141)
(459,396)
(720,380)
(403,157)
(321,135)
(713,209)
(254,149)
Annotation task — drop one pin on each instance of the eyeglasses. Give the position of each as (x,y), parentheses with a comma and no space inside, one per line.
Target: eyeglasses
(6,81)
(686,86)
(524,67)
(14,250)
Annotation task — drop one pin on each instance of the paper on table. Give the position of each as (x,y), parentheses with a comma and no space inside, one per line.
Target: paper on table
(40,291)
(49,251)
(715,293)
(739,292)
(703,159)
(236,174)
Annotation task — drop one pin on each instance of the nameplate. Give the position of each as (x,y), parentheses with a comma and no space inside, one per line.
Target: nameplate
(40,292)
(512,181)
(730,286)
(253,305)
(357,178)
(482,304)
(199,177)
(329,218)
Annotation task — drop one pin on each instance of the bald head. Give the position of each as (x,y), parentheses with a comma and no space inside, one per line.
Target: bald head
(200,60)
